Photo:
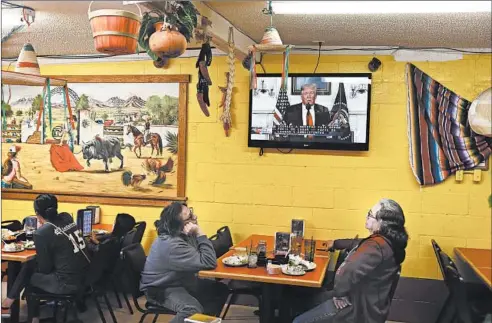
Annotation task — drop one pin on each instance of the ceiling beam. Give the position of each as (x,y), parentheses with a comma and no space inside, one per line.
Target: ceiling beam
(219,32)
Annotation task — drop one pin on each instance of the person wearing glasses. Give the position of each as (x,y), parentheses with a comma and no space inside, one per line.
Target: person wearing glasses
(169,278)
(365,281)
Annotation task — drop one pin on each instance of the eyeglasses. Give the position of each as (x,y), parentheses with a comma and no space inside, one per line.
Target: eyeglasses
(370,215)
(192,216)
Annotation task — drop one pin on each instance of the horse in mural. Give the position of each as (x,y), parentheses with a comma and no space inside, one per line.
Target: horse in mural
(155,141)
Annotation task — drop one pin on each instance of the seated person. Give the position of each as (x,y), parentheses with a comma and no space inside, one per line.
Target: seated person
(61,260)
(123,224)
(169,278)
(364,280)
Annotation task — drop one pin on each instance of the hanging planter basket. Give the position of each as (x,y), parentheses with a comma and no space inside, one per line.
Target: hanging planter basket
(167,41)
(115,31)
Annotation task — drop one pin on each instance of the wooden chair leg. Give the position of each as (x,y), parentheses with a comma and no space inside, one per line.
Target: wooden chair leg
(155,318)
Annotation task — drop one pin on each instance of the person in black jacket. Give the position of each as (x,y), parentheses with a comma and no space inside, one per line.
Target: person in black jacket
(365,281)
(61,257)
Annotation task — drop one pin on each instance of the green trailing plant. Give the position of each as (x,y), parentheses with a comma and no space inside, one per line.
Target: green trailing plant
(181,14)
(172,142)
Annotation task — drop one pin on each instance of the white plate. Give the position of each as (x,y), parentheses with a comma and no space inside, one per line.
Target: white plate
(235,261)
(309,266)
(13,251)
(286,271)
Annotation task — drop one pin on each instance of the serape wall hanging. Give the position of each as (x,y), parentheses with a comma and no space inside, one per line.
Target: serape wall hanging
(441,140)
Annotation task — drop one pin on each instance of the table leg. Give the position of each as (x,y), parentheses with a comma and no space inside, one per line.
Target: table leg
(266,308)
(13,270)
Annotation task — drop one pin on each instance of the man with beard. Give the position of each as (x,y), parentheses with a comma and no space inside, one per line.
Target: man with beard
(181,250)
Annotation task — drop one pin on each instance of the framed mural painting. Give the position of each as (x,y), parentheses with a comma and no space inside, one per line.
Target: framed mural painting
(100,139)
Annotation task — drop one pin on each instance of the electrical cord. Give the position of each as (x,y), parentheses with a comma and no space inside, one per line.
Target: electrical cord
(436,49)
(319,56)
(286,152)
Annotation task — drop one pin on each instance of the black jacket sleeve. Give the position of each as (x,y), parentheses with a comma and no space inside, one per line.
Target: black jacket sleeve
(43,255)
(357,266)
(341,244)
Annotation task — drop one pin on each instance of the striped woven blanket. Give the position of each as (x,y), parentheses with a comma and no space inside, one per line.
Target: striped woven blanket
(441,141)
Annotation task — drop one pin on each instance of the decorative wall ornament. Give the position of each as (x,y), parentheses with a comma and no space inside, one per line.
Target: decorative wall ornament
(441,141)
(226,103)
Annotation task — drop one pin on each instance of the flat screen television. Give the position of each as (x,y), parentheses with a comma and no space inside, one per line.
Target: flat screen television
(313,111)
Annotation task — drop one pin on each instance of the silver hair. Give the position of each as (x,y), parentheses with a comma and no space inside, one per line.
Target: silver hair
(311,86)
(391,209)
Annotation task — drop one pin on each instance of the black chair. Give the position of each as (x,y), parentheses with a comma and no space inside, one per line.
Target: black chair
(114,273)
(222,242)
(134,258)
(12,225)
(133,236)
(91,287)
(140,230)
(463,304)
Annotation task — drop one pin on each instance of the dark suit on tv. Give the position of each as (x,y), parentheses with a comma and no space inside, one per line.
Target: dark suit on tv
(293,115)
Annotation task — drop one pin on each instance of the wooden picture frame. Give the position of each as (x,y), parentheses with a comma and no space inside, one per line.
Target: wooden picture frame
(118,199)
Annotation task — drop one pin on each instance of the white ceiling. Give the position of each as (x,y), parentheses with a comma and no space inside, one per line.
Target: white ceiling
(463,30)
(62,28)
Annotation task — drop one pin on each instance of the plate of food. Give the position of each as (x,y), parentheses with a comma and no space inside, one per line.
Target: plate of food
(299,261)
(13,247)
(29,245)
(8,236)
(293,270)
(235,261)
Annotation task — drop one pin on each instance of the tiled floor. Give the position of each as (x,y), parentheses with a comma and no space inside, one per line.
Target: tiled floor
(237,314)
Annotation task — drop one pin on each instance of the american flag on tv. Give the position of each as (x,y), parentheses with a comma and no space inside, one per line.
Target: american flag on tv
(281,107)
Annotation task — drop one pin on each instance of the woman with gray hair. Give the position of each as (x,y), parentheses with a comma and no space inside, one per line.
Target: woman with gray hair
(365,281)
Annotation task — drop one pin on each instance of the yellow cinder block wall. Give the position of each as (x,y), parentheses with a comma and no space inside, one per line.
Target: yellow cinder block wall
(230,184)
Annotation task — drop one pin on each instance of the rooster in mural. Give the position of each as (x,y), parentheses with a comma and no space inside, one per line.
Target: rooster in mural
(134,180)
(155,166)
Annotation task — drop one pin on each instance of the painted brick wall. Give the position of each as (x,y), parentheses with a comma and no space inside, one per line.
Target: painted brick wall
(229,184)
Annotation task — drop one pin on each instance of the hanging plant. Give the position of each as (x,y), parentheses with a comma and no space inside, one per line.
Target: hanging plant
(180,17)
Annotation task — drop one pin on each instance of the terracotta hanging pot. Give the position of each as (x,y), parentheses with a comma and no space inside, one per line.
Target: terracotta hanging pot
(167,42)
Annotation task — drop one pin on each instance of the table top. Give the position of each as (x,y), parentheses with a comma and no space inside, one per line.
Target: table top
(27,255)
(310,279)
(480,260)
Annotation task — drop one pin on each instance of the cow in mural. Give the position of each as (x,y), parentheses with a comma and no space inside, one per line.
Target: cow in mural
(102,148)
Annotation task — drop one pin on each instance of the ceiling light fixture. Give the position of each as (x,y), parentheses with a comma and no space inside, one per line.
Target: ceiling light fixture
(377,7)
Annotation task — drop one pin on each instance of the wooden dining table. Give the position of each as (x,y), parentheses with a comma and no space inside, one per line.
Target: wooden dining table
(312,279)
(480,260)
(17,259)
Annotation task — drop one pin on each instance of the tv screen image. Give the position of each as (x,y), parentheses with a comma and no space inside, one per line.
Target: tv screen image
(315,111)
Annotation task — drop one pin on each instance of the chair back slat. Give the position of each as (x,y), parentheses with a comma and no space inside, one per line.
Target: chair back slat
(12,225)
(222,241)
(134,260)
(140,230)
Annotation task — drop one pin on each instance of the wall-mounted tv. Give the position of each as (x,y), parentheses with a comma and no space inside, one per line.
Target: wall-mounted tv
(314,111)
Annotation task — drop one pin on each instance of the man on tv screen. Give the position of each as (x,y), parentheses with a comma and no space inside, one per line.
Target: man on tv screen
(308,112)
